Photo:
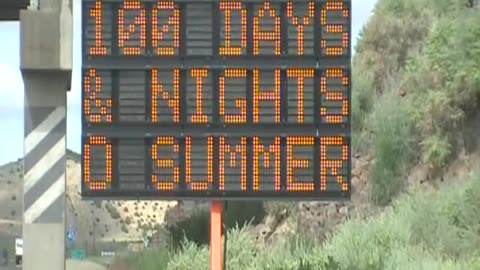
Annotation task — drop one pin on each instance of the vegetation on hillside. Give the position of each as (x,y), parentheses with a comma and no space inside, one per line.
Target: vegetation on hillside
(416,81)
(420,231)
(416,78)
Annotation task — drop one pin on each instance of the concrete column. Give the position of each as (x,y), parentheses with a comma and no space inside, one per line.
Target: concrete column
(44,171)
(46,64)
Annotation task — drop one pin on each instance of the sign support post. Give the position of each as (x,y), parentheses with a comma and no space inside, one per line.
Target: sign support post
(216,235)
(46,65)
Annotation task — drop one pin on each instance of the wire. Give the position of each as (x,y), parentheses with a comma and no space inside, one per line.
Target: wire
(225,233)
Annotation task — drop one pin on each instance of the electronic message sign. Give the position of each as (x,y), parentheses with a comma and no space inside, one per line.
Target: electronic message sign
(216,99)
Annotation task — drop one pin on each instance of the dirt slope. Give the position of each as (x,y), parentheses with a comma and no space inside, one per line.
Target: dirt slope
(104,220)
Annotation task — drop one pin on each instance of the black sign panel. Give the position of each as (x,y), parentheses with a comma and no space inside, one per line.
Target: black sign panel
(216,99)
(10,9)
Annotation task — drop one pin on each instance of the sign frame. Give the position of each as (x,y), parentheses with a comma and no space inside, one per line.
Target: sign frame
(145,131)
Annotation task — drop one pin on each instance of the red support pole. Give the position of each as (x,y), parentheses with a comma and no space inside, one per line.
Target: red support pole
(216,236)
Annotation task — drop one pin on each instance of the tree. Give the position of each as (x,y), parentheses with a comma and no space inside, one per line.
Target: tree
(471,3)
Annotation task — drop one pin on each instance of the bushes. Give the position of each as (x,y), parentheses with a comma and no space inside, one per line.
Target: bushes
(149,260)
(427,52)
(363,99)
(443,81)
(415,76)
(436,150)
(392,128)
(420,231)
(244,254)
(196,228)
(242,212)
(417,233)
(364,246)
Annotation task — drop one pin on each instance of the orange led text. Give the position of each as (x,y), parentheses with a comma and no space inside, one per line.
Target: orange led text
(96,182)
(271,160)
(228,8)
(162,162)
(265,95)
(161,97)
(293,163)
(237,155)
(241,103)
(335,95)
(93,99)
(330,167)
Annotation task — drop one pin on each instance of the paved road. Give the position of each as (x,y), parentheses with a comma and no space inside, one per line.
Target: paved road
(11,266)
(83,265)
(71,265)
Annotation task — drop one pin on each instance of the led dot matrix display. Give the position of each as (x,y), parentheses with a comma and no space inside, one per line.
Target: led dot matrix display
(216,99)
(247,166)
(242,28)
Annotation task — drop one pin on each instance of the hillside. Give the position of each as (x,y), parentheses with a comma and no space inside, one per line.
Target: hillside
(10,204)
(113,220)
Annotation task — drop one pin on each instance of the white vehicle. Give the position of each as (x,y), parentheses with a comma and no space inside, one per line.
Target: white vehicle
(18,250)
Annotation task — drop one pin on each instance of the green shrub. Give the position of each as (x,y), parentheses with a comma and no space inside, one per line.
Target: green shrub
(415,257)
(463,213)
(444,81)
(432,53)
(363,97)
(392,128)
(436,150)
(191,256)
(156,259)
(366,250)
(196,228)
(423,218)
(241,251)
(244,254)
(386,41)
(243,212)
(241,248)
(419,231)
